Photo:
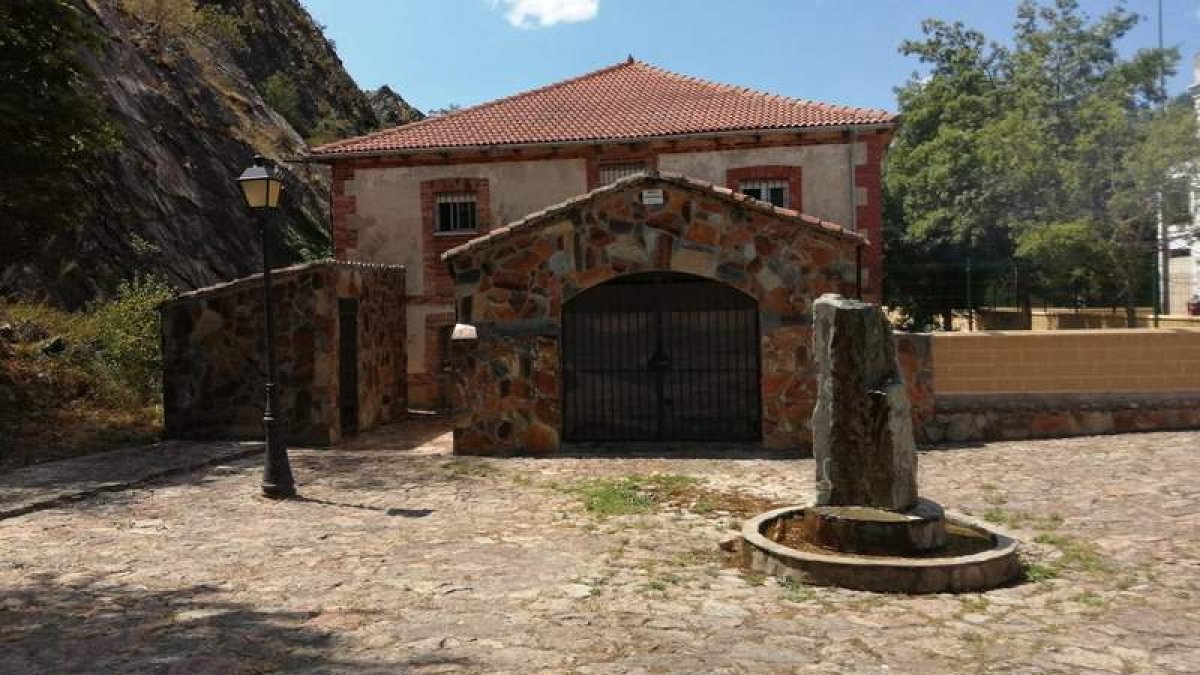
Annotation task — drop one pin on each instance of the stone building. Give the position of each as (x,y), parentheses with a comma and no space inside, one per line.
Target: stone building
(409,194)
(339,338)
(658,307)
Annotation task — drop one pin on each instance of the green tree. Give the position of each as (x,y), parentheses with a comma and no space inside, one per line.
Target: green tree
(1096,149)
(54,127)
(942,197)
(1050,154)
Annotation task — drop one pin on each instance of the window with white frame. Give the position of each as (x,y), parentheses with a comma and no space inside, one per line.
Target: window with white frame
(456,212)
(614,171)
(773,191)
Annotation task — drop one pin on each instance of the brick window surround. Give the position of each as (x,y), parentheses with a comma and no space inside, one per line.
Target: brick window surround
(791,174)
(437,278)
(617,155)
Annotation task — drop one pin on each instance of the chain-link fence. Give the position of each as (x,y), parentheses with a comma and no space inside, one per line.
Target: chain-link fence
(1007,295)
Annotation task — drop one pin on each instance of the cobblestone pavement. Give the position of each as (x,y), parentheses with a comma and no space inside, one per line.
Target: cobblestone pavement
(404,559)
(42,485)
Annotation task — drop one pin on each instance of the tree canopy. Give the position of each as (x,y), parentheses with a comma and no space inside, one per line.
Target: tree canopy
(1040,163)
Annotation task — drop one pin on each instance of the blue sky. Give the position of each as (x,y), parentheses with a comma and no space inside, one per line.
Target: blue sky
(842,51)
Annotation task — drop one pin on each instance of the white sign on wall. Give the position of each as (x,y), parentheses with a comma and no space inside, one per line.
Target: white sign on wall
(652,197)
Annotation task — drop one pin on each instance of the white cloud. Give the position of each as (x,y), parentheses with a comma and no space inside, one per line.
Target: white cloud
(543,13)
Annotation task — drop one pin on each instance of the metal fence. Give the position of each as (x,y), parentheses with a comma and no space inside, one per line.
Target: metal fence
(973,295)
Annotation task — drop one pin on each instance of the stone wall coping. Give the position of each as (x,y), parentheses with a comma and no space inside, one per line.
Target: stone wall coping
(537,218)
(1064,333)
(1046,402)
(277,275)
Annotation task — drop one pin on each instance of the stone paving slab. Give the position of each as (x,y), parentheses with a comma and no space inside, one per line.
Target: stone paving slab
(403,559)
(44,485)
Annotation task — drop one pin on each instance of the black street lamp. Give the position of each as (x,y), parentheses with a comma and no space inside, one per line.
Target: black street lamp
(261,185)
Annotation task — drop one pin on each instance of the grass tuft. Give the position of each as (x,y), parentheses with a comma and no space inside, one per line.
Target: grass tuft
(1039,572)
(796,591)
(1076,554)
(629,495)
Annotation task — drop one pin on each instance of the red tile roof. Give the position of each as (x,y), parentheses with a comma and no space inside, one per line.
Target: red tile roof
(630,100)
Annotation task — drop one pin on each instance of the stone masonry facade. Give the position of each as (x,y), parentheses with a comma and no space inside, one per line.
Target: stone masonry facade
(382,206)
(214,357)
(511,286)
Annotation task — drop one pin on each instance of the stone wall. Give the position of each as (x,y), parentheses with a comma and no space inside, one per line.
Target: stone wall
(995,417)
(512,285)
(214,357)
(914,356)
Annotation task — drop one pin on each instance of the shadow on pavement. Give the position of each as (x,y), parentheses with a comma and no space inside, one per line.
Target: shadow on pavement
(94,625)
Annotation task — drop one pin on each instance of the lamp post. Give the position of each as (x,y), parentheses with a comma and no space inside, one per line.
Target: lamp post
(261,186)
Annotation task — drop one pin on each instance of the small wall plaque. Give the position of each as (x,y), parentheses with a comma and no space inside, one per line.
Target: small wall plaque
(652,197)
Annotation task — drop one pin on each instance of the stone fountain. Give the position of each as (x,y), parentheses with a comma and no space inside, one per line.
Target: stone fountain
(869,529)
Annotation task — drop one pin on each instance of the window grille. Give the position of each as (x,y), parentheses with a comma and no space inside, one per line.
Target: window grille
(456,212)
(610,173)
(773,191)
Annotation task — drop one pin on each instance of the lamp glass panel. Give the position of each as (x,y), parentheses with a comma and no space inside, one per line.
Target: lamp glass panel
(255,192)
(276,187)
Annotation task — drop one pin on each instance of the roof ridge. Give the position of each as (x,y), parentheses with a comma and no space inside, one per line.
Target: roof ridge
(623,63)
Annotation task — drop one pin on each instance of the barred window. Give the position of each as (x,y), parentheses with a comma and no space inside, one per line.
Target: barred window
(773,191)
(612,172)
(456,212)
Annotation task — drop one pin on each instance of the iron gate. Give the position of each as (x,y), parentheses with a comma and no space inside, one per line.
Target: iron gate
(661,356)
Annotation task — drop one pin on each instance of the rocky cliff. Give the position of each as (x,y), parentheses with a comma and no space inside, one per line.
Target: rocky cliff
(193,91)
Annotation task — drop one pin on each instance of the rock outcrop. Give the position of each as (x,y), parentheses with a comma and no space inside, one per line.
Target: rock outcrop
(391,108)
(862,427)
(189,114)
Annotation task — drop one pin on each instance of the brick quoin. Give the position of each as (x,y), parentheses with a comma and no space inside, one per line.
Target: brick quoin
(869,177)
(341,207)
(792,174)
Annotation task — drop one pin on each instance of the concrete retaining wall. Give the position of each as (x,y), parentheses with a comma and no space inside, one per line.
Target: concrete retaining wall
(1158,360)
(1012,385)
(1011,318)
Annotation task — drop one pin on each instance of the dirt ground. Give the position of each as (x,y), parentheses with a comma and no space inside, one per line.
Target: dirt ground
(400,558)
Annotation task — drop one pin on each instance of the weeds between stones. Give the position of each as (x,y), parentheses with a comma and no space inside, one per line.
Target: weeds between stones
(640,493)
(1075,554)
(462,468)
(1022,519)
(795,591)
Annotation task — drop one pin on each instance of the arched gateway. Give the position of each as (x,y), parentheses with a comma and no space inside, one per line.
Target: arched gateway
(660,356)
(657,308)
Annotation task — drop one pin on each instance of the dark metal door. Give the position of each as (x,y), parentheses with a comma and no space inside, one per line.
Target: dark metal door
(348,364)
(661,356)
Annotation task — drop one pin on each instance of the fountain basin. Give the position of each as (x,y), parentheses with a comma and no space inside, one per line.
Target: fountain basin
(976,557)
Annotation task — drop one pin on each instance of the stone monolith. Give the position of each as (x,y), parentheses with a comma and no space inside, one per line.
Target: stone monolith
(862,429)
